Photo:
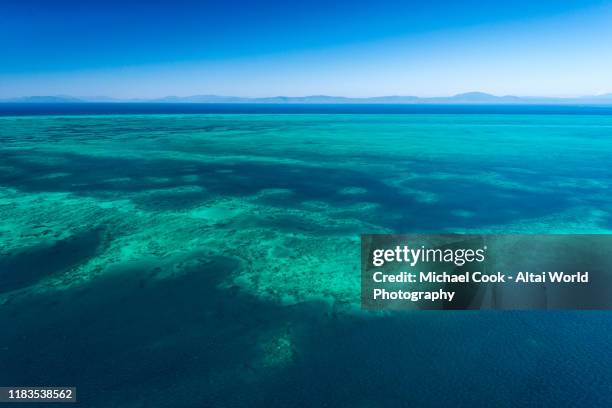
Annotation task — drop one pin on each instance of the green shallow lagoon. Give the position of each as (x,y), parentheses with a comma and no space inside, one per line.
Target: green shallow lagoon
(212,259)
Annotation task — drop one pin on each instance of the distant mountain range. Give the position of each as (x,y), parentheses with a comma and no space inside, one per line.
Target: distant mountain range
(464,98)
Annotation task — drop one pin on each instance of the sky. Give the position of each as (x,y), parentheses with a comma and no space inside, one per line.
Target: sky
(154,48)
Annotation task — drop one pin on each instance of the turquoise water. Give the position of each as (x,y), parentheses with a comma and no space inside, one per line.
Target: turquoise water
(212,259)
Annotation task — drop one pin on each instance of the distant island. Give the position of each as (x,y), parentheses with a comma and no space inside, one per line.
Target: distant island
(464,98)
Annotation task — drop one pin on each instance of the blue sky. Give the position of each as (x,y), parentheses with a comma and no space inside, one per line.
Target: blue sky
(352,48)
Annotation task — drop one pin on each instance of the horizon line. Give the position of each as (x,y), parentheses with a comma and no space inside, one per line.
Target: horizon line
(471,94)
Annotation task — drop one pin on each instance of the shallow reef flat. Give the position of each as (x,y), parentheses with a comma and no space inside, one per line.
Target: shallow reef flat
(217,254)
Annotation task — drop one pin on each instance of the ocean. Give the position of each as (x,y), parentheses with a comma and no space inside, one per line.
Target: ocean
(185,255)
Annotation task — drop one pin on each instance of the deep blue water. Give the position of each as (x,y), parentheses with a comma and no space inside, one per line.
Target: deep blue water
(10,109)
(171,330)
